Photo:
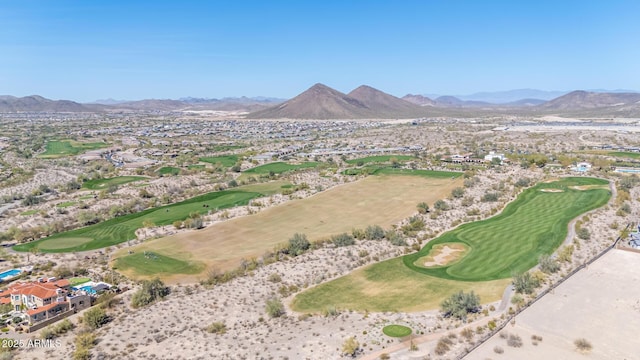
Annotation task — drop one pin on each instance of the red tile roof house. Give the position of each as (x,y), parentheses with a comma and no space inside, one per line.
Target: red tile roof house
(44,300)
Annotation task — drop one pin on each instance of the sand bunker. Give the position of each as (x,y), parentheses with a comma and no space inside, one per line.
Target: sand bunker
(588,187)
(443,254)
(552,190)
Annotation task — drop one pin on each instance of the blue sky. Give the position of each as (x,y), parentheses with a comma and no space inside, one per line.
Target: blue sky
(86,50)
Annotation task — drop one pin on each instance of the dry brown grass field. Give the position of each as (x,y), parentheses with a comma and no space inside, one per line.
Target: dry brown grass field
(381,200)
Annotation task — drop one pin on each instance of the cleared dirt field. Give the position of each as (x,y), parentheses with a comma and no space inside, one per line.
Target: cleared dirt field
(382,200)
(600,304)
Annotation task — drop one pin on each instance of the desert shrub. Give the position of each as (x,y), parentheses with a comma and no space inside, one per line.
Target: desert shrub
(457,193)
(275,277)
(217,327)
(423,207)
(350,346)
(84,342)
(626,207)
(583,345)
(442,346)
(385,356)
(358,234)
(628,182)
(330,310)
(416,223)
(395,238)
(584,234)
(274,307)
(498,350)
(460,304)
(490,197)
(343,239)
(151,291)
(298,244)
(566,253)
(441,205)
(548,264)
(525,283)
(95,317)
(467,333)
(523,182)
(514,340)
(374,232)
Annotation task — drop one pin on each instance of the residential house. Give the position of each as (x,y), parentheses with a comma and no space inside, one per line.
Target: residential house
(41,300)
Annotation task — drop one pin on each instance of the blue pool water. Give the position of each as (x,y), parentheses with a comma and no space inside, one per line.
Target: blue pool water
(87,288)
(9,273)
(632,171)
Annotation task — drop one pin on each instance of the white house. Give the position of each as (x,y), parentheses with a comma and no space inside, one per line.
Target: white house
(492,155)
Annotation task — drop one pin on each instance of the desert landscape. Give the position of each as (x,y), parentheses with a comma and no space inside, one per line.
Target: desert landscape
(319,181)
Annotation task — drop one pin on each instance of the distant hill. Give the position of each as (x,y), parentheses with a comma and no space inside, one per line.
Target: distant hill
(419,100)
(323,102)
(581,100)
(384,105)
(317,102)
(511,96)
(525,102)
(36,103)
(153,104)
(452,101)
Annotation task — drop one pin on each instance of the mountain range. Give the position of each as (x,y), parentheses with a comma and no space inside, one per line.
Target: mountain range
(364,102)
(323,102)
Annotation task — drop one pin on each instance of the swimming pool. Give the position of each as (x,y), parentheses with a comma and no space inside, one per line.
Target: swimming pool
(9,274)
(628,170)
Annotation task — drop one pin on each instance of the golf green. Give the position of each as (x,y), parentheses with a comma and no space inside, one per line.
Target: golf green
(511,242)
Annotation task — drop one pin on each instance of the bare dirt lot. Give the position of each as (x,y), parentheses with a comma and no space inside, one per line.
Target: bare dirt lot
(381,200)
(599,304)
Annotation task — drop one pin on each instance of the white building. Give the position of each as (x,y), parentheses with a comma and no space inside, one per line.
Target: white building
(492,155)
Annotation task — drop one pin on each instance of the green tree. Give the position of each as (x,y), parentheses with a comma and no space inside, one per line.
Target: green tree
(95,317)
(458,305)
(525,283)
(151,291)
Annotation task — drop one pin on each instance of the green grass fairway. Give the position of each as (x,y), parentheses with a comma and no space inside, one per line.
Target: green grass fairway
(396,330)
(340,209)
(78,280)
(100,184)
(384,170)
(168,170)
(279,167)
(380,159)
(122,228)
(390,286)
(29,212)
(63,243)
(624,154)
(225,160)
(148,264)
(532,225)
(66,204)
(195,167)
(535,223)
(57,149)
